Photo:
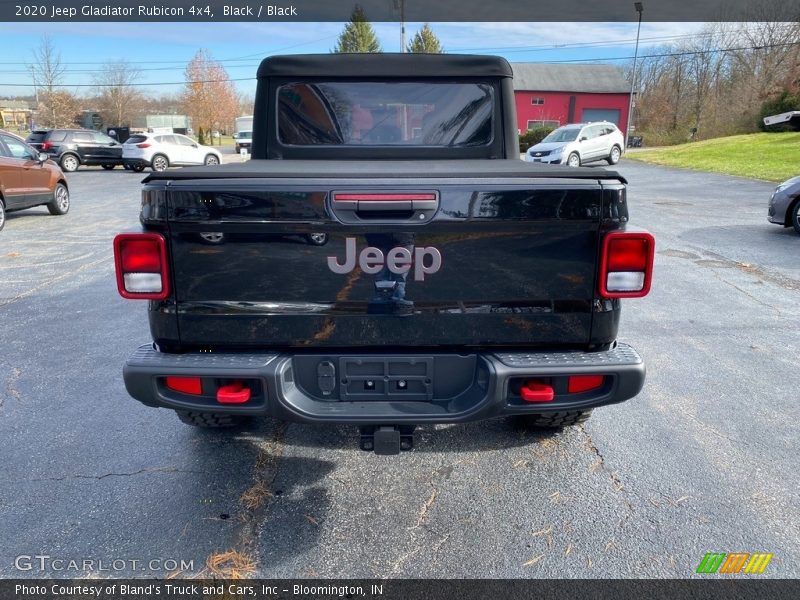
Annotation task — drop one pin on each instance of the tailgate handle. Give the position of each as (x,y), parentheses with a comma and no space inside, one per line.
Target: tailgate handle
(353,207)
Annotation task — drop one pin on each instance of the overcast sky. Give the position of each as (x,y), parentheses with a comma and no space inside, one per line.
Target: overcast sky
(161,50)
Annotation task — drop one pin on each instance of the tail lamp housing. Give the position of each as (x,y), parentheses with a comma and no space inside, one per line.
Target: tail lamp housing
(626,264)
(140,260)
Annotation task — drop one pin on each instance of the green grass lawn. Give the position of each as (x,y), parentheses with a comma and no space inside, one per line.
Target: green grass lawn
(225,140)
(770,156)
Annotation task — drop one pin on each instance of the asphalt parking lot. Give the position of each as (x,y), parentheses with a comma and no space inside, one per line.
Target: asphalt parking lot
(704,460)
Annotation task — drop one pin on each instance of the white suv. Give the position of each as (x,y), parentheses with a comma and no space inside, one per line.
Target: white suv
(162,150)
(580,143)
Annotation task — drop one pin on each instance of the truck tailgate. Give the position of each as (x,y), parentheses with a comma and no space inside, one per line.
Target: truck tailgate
(321,262)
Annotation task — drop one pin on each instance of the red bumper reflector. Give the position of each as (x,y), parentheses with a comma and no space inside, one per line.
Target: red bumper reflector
(233,393)
(584,383)
(186,385)
(534,391)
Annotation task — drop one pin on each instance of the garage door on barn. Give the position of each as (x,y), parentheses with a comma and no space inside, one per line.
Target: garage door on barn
(601,114)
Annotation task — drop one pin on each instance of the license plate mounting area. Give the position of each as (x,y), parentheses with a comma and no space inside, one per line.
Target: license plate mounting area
(386,378)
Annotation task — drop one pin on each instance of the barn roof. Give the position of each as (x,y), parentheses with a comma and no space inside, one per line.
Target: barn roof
(595,78)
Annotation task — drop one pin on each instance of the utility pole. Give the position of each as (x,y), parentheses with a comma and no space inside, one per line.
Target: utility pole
(35,110)
(639,8)
(401,6)
(35,88)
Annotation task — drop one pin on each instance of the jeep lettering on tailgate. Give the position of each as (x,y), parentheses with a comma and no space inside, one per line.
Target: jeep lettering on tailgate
(398,260)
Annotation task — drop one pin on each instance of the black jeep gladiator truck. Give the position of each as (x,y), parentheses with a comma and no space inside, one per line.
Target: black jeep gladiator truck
(457,282)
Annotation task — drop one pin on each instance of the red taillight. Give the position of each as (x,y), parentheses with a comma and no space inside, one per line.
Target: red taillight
(141,255)
(47,145)
(584,383)
(186,385)
(143,145)
(626,264)
(141,264)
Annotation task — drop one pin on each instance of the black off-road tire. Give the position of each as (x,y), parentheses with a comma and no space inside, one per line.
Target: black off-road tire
(556,420)
(211,420)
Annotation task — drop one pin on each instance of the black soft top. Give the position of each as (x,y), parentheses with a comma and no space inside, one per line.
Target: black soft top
(384,65)
(385,169)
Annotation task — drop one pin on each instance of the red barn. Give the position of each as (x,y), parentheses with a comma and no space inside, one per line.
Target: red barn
(549,95)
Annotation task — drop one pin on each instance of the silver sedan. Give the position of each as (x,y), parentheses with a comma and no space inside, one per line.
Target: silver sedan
(784,205)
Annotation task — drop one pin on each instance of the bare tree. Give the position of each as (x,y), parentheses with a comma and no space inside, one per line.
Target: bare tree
(717,80)
(62,109)
(246,104)
(120,101)
(48,71)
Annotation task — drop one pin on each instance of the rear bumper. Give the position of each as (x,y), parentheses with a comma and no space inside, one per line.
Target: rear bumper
(135,162)
(437,388)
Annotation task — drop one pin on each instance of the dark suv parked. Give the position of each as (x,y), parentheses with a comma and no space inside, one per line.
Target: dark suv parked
(72,148)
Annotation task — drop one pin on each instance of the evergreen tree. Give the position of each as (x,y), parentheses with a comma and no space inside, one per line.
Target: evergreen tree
(425,42)
(358,35)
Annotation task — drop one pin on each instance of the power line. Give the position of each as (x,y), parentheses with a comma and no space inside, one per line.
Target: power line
(670,54)
(180,64)
(577,60)
(248,57)
(611,43)
(106,85)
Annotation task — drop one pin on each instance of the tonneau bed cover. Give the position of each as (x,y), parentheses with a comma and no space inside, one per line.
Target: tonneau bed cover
(378,169)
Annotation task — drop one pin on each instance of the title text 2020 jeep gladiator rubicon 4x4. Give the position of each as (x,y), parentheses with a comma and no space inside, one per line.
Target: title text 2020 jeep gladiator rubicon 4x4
(458,283)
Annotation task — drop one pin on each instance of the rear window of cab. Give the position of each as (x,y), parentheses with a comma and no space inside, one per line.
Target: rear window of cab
(401,113)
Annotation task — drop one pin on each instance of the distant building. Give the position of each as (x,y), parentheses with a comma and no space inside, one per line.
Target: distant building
(178,123)
(91,119)
(550,95)
(15,114)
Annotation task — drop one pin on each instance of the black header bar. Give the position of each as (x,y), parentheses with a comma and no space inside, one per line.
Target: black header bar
(396,10)
(713,588)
